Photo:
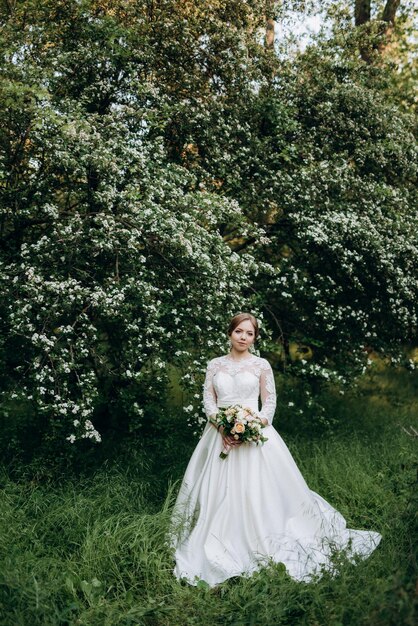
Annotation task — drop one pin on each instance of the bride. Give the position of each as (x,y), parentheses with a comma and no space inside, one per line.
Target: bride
(233,516)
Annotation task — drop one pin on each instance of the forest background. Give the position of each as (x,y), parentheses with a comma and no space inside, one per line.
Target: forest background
(164,165)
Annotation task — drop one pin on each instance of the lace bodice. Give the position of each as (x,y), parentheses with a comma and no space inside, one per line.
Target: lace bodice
(240,382)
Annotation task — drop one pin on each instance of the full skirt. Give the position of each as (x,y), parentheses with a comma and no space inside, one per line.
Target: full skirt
(233,516)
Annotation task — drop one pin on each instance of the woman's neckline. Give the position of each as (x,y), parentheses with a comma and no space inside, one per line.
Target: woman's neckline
(247,358)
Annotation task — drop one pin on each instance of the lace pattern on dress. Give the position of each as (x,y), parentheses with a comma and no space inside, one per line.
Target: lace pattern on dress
(209,395)
(268,392)
(254,364)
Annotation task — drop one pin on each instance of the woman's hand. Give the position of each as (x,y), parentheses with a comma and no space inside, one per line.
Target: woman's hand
(228,440)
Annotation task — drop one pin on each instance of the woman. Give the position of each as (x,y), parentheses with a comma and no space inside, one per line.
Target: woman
(235,515)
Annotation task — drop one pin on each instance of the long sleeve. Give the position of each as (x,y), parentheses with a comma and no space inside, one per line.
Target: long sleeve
(267,392)
(209,395)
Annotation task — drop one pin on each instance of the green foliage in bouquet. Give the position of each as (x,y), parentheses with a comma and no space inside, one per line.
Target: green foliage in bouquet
(241,423)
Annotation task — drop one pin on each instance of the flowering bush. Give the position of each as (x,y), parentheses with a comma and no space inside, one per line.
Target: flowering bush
(160,170)
(324,156)
(113,264)
(133,275)
(345,234)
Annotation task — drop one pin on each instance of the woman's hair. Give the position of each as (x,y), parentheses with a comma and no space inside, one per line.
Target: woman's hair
(241,317)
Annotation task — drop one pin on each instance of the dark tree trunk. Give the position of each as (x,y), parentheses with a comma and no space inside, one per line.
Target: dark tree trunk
(361,12)
(389,11)
(362,15)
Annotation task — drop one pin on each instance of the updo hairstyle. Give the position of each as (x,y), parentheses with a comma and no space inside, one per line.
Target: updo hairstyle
(241,317)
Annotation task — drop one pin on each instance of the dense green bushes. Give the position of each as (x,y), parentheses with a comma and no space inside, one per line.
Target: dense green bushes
(161,169)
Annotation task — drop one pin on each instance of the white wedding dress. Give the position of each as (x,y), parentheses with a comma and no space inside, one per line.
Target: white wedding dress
(233,516)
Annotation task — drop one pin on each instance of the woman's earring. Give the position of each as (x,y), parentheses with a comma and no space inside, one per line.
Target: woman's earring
(229,343)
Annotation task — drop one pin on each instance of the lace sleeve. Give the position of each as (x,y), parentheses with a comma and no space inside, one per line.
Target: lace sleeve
(267,391)
(209,395)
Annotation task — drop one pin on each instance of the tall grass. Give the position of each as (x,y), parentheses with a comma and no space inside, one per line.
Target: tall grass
(92,551)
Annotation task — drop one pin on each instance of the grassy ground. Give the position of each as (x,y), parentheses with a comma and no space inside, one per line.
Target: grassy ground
(91,551)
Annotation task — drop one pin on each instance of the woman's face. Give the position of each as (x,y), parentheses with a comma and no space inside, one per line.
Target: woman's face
(243,336)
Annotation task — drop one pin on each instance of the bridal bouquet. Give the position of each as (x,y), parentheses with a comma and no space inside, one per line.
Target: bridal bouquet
(242,423)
